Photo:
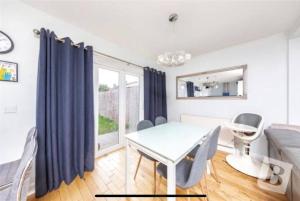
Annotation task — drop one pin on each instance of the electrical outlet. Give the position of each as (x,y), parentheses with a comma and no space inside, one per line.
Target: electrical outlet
(11,109)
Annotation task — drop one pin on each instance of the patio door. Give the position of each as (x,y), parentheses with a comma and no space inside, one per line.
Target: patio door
(108,106)
(132,102)
(118,104)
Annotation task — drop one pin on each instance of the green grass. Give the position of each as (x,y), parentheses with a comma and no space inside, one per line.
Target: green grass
(106,125)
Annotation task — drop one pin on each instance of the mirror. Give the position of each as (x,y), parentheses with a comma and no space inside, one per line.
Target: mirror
(222,83)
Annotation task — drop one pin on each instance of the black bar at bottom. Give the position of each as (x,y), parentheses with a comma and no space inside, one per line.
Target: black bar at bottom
(151,195)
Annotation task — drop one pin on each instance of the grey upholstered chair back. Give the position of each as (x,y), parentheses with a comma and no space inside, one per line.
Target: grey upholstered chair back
(144,124)
(213,144)
(248,119)
(32,134)
(20,184)
(199,164)
(160,120)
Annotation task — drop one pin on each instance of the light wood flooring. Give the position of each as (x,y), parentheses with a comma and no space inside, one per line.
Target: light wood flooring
(108,178)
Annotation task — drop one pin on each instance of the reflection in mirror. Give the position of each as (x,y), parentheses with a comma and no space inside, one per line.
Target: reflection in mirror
(229,82)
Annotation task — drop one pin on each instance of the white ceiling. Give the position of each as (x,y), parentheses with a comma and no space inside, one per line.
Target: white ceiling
(203,26)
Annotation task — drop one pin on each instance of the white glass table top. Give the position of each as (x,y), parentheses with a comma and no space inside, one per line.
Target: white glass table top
(170,140)
(241,128)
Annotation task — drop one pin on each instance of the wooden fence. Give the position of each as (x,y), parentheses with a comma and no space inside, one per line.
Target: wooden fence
(109,105)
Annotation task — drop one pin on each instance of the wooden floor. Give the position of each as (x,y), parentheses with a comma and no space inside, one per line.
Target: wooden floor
(108,178)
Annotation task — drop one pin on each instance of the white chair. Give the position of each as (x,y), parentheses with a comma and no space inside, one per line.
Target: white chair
(241,159)
(249,119)
(8,170)
(18,188)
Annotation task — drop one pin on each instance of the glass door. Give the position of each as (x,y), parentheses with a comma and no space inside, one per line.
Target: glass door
(119,101)
(108,108)
(132,102)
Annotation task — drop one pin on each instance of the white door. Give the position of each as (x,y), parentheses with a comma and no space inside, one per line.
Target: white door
(118,105)
(132,102)
(108,109)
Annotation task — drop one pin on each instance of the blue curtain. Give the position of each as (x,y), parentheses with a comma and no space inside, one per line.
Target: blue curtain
(190,89)
(65,112)
(155,100)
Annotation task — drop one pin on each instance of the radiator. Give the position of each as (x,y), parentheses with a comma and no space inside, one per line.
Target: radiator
(225,142)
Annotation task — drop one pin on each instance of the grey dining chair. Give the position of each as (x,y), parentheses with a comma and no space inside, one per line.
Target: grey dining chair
(144,124)
(213,145)
(189,172)
(17,190)
(8,170)
(160,120)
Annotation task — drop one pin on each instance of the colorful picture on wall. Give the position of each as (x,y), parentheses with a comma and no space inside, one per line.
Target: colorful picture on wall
(8,71)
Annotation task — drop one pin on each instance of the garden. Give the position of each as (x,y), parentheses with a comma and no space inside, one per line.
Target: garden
(106,125)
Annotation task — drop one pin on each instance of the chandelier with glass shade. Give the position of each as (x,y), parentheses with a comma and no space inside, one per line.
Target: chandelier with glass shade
(176,58)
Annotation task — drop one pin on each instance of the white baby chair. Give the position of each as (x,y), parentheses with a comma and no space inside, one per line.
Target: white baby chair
(246,128)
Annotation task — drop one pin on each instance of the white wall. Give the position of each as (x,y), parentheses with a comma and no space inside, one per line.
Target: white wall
(18,20)
(266,60)
(294,81)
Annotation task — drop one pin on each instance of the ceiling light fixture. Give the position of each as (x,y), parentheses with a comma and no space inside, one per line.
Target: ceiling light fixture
(210,84)
(176,58)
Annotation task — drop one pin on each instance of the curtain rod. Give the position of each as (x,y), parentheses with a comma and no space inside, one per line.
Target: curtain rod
(37,33)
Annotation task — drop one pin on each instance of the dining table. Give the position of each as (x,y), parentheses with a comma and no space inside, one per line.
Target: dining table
(168,144)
